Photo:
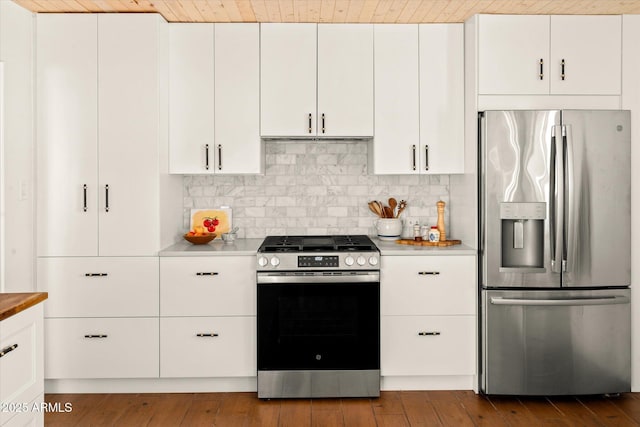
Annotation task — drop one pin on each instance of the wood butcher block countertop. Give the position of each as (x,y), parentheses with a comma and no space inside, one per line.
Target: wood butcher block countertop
(14,303)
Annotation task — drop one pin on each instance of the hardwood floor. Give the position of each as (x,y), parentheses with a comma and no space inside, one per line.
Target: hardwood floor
(401,408)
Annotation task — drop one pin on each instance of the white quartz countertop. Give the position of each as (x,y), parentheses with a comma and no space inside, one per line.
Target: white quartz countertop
(393,248)
(214,248)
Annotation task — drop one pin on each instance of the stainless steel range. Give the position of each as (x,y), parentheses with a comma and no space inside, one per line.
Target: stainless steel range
(318,317)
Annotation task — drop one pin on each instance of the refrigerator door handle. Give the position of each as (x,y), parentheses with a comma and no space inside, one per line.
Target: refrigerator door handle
(561,301)
(556,190)
(569,211)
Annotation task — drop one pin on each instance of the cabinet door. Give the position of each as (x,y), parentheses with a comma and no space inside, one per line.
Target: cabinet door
(208,286)
(208,347)
(441,98)
(128,94)
(510,48)
(396,117)
(425,285)
(67,120)
(427,345)
(288,79)
(591,48)
(238,148)
(191,95)
(102,348)
(345,80)
(22,364)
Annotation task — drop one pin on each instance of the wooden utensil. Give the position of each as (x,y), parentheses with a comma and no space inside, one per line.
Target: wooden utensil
(374,208)
(401,207)
(379,208)
(388,212)
(392,204)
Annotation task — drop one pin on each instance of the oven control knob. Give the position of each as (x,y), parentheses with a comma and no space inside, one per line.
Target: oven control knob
(275,261)
(373,260)
(262,261)
(349,260)
(361,260)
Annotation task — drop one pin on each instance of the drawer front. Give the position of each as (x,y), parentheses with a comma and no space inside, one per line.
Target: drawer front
(226,347)
(21,363)
(427,345)
(99,287)
(101,348)
(208,286)
(428,285)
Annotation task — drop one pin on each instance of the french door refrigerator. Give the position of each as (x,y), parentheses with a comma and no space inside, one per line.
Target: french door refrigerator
(555,245)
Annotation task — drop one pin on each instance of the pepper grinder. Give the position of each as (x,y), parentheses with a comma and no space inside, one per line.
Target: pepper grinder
(443,234)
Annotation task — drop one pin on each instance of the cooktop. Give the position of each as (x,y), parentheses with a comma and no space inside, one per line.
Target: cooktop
(338,243)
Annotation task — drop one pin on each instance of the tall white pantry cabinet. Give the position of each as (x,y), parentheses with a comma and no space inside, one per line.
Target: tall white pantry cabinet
(99,96)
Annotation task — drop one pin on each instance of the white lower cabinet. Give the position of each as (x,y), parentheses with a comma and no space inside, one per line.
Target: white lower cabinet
(208,347)
(21,366)
(101,348)
(30,418)
(427,345)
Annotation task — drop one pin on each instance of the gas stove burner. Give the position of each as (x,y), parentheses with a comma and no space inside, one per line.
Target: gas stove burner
(341,243)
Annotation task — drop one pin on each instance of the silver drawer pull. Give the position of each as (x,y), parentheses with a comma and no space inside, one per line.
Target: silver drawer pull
(7,350)
(207,273)
(429,273)
(207,335)
(428,334)
(95,336)
(96,274)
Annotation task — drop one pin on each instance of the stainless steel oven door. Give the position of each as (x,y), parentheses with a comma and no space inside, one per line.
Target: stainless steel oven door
(318,334)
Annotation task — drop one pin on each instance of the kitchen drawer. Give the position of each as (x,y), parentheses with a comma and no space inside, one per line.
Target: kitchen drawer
(21,365)
(226,349)
(427,345)
(101,348)
(427,285)
(99,287)
(208,286)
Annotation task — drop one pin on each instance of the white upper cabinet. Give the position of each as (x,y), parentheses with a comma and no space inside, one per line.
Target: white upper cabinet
(316,80)
(419,99)
(288,79)
(128,133)
(191,95)
(345,80)
(67,137)
(98,130)
(214,99)
(590,47)
(397,99)
(442,98)
(238,148)
(542,55)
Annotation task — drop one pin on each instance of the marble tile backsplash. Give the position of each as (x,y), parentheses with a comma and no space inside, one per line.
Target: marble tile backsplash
(312,187)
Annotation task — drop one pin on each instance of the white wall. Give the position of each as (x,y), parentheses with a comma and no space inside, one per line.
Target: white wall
(16,51)
(631,101)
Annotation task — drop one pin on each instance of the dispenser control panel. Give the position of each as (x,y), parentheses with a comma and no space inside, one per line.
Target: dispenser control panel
(532,210)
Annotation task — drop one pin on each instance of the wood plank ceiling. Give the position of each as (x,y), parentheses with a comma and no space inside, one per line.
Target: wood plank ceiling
(378,11)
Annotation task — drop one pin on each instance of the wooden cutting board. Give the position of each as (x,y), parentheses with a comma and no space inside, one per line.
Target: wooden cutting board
(426,243)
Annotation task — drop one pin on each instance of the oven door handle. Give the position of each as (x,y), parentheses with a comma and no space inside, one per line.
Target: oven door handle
(267,278)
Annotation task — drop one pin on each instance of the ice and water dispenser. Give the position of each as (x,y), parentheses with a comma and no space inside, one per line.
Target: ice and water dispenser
(522,228)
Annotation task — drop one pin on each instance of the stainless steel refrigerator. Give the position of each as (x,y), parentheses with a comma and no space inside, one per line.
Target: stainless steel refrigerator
(555,252)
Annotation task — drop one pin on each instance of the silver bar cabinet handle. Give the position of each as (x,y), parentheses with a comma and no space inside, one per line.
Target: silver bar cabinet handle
(95,336)
(413,153)
(96,274)
(322,122)
(84,197)
(206,156)
(207,335)
(562,69)
(207,273)
(428,333)
(428,273)
(612,300)
(7,350)
(541,69)
(309,122)
(106,198)
(219,157)
(426,157)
